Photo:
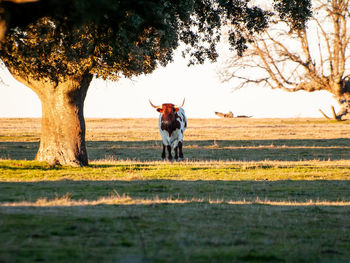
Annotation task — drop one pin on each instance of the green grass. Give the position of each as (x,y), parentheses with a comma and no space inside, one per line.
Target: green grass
(195,232)
(281,196)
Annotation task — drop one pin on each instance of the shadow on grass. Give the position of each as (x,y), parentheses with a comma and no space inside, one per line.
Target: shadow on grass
(248,190)
(240,150)
(42,166)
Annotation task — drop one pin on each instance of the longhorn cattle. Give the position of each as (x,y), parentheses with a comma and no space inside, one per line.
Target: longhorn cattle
(172,125)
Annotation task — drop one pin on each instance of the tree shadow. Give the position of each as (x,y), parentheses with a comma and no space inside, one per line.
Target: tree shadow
(205,191)
(206,150)
(217,150)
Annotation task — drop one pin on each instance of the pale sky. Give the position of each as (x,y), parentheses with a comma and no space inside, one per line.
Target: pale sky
(200,85)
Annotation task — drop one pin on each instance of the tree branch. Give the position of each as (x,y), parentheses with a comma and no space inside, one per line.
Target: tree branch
(326,40)
(320,53)
(324,114)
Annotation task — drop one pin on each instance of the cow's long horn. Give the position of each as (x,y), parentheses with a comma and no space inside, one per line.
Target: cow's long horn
(180,106)
(156,107)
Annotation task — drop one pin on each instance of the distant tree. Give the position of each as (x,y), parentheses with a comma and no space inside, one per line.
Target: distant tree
(294,58)
(71,41)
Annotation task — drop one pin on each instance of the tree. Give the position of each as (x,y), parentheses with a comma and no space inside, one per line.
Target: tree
(70,42)
(294,58)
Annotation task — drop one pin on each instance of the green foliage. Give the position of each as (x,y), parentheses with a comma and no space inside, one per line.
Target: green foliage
(58,39)
(239,15)
(295,12)
(127,37)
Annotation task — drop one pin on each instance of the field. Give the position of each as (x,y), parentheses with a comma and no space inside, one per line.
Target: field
(250,190)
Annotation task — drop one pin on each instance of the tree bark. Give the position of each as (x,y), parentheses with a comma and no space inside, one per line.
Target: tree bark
(62,126)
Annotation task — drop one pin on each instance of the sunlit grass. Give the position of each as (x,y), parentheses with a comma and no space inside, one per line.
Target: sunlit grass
(66,201)
(32,171)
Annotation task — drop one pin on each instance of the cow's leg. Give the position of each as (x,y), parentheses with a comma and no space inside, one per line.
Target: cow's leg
(176,156)
(170,157)
(163,152)
(181,155)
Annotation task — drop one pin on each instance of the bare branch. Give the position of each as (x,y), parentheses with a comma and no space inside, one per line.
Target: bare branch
(324,114)
(334,114)
(287,53)
(305,48)
(274,62)
(326,40)
(320,53)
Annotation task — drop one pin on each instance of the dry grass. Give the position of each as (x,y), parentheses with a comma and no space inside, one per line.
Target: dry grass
(219,129)
(198,129)
(66,201)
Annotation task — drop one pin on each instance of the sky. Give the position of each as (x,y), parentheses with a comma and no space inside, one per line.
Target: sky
(199,85)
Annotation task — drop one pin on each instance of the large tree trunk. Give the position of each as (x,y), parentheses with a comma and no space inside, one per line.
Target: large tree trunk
(63,126)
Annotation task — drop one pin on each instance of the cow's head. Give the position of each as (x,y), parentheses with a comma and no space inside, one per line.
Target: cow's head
(168,111)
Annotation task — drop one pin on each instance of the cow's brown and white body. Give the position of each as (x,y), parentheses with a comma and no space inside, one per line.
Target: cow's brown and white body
(172,125)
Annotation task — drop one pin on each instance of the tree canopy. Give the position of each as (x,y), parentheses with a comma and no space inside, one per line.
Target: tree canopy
(55,39)
(105,37)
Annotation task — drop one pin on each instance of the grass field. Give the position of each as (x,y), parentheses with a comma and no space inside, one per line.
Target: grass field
(250,190)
